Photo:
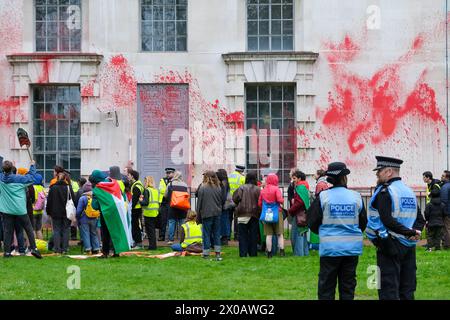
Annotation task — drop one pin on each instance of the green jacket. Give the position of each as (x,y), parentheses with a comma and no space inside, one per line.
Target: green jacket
(13,192)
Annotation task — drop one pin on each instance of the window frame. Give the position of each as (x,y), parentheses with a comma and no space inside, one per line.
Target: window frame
(270,35)
(282,134)
(141,35)
(59,37)
(45,136)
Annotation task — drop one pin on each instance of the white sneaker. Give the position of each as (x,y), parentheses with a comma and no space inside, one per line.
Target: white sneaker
(169,242)
(15,253)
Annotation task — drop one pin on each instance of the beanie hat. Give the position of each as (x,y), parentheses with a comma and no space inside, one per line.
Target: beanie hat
(22,171)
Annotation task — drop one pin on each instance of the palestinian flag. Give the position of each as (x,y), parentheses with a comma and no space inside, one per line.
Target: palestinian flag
(115,214)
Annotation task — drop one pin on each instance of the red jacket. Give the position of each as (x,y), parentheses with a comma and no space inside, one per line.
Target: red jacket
(271,193)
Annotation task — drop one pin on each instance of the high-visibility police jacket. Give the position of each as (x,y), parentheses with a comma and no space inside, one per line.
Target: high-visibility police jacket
(428,197)
(339,232)
(192,233)
(162,189)
(37,189)
(404,210)
(75,186)
(152,209)
(140,186)
(121,185)
(235,180)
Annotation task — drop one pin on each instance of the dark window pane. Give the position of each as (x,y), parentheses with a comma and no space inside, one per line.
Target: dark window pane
(52,13)
(52,44)
(38,144)
(264,123)
(252,27)
(288,126)
(75,161)
(277,124)
(39,110)
(252,124)
(38,127)
(75,128)
(264,93)
(252,110)
(147,28)
(75,144)
(170,44)
(159,29)
(169,13)
(264,43)
(52,29)
(40,13)
(264,110)
(40,29)
(50,144)
(182,2)
(63,144)
(38,94)
(287,43)
(287,27)
(181,44)
(48,176)
(52,2)
(252,43)
(41,2)
(50,161)
(264,27)
(64,13)
(276,110)
(50,94)
(169,2)
(252,93)
(288,93)
(50,127)
(64,44)
(64,2)
(146,43)
(160,2)
(169,28)
(181,13)
(63,127)
(147,2)
(39,161)
(147,13)
(276,43)
(264,1)
(288,110)
(41,44)
(64,160)
(276,27)
(287,1)
(287,12)
(252,12)
(276,12)
(158,44)
(263,12)
(181,28)
(158,12)
(252,1)
(276,93)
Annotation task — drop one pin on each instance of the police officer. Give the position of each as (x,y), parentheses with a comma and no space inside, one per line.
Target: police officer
(339,217)
(235,180)
(395,225)
(163,203)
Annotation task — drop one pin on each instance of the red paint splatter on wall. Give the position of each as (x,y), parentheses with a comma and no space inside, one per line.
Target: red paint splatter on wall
(118,84)
(46,68)
(370,110)
(88,89)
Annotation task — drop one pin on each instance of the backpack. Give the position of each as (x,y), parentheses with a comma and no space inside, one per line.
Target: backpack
(269,212)
(40,201)
(89,211)
(180,200)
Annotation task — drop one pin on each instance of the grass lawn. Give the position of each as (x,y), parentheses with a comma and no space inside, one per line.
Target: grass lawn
(291,278)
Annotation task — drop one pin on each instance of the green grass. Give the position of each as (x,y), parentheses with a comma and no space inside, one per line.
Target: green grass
(291,278)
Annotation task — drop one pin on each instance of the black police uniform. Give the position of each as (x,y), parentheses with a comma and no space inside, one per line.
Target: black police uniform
(396,261)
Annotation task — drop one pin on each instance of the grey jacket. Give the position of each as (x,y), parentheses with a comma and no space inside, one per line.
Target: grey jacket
(209,202)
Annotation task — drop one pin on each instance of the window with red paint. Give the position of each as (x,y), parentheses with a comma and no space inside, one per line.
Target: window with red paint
(57,129)
(58,25)
(270,25)
(164,25)
(272,145)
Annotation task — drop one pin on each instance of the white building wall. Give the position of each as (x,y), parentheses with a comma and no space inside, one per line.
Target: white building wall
(111,28)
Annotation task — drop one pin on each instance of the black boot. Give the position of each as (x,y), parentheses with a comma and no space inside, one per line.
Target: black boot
(269,254)
(282,254)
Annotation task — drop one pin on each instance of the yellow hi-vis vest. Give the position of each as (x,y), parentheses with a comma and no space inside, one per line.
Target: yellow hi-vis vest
(141,188)
(428,197)
(75,186)
(235,180)
(162,189)
(121,185)
(192,233)
(152,210)
(37,190)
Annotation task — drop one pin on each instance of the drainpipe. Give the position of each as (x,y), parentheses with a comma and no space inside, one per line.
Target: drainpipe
(446,73)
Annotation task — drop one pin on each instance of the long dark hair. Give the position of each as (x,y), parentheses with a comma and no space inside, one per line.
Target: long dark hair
(223,178)
(251,178)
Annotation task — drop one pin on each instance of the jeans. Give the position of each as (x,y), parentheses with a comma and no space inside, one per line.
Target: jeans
(177,247)
(225,224)
(172,224)
(24,222)
(88,233)
(300,246)
(248,239)
(106,237)
(211,226)
(61,234)
(19,235)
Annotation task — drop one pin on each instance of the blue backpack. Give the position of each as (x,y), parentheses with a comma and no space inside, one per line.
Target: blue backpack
(269,213)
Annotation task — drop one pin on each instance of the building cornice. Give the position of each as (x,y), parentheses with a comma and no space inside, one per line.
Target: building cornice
(307,56)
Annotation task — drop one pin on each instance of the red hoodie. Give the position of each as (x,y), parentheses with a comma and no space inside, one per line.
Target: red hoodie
(271,193)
